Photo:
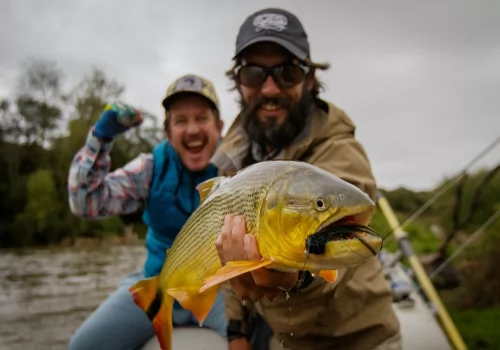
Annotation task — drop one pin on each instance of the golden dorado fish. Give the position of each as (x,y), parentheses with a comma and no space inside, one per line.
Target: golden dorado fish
(285,204)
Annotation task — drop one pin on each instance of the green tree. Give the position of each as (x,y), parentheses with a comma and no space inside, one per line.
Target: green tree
(38,99)
(24,126)
(37,221)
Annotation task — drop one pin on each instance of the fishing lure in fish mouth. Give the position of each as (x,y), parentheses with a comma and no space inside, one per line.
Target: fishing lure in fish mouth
(317,242)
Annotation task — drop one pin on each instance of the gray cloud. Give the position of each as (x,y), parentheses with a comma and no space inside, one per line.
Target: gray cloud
(420,79)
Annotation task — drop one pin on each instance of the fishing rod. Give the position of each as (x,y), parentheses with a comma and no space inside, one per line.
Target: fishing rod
(427,286)
(406,250)
(440,192)
(424,280)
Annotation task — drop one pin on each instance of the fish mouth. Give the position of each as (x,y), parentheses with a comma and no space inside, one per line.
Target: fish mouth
(359,215)
(344,240)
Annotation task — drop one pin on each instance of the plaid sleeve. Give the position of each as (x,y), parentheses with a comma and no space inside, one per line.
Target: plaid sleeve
(94,192)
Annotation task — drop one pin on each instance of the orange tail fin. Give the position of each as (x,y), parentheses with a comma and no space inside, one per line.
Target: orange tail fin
(157,306)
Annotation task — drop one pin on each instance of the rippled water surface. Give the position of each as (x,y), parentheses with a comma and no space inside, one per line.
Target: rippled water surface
(46,293)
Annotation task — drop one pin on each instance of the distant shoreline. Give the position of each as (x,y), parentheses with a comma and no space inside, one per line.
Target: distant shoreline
(84,242)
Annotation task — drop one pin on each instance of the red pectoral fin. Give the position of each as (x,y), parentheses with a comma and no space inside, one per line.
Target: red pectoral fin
(233,269)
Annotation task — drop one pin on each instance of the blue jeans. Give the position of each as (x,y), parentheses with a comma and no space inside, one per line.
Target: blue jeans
(118,323)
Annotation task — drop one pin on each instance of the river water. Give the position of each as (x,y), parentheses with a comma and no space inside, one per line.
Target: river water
(46,293)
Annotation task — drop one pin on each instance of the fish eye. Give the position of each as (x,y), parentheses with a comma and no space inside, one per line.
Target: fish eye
(320,204)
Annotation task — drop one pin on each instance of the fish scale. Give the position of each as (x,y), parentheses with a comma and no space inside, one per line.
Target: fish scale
(242,194)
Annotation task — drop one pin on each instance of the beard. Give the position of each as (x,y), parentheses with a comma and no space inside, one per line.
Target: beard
(270,134)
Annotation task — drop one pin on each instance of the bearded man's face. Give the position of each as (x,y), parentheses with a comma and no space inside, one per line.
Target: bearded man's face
(275,106)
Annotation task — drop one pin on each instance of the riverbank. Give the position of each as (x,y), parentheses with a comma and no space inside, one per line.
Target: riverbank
(127,238)
(45,293)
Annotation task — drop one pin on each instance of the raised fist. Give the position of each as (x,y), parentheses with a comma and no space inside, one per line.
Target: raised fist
(116,119)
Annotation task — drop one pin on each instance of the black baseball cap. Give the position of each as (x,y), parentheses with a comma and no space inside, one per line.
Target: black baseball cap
(275,25)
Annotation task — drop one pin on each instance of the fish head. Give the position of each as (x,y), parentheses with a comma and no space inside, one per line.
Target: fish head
(312,218)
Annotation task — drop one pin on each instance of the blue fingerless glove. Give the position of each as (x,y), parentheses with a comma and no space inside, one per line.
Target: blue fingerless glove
(114,120)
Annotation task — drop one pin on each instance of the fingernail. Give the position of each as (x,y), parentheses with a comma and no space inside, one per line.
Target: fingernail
(237,220)
(246,242)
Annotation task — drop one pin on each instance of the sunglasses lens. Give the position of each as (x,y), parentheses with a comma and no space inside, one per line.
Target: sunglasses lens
(289,75)
(286,75)
(251,76)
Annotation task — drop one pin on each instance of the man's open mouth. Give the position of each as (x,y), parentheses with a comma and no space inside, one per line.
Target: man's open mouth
(274,104)
(195,146)
(271,106)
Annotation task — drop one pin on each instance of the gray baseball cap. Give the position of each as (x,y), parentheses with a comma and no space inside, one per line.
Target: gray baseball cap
(275,25)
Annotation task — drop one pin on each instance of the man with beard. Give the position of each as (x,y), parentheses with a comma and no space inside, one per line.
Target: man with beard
(283,117)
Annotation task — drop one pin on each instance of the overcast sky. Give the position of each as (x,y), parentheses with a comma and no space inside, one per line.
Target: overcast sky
(421,79)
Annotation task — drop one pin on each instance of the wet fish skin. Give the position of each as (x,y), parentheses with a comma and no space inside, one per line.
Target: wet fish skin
(283,203)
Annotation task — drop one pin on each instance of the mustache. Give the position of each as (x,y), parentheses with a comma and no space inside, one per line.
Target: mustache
(270,133)
(259,101)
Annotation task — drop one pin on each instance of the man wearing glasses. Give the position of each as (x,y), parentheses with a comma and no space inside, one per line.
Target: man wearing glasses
(283,117)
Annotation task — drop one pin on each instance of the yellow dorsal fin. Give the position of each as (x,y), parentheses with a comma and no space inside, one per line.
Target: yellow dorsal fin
(206,186)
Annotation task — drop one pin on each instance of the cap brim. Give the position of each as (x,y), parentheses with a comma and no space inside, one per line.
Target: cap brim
(295,50)
(168,100)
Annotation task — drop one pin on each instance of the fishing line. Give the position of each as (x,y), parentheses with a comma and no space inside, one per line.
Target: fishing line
(471,239)
(442,190)
(365,244)
(464,245)
(294,299)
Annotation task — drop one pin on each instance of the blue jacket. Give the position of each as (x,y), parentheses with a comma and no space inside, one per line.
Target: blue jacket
(172,199)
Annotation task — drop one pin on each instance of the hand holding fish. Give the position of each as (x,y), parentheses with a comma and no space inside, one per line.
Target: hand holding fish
(234,244)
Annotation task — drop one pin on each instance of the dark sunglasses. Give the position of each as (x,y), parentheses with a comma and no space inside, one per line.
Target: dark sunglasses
(285,75)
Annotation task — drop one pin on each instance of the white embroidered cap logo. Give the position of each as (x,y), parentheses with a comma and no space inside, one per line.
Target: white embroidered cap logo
(272,21)
(189,83)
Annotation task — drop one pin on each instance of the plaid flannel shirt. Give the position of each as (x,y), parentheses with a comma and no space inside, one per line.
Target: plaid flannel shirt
(95,193)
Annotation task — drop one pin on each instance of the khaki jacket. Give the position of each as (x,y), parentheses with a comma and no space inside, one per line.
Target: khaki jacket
(355,312)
